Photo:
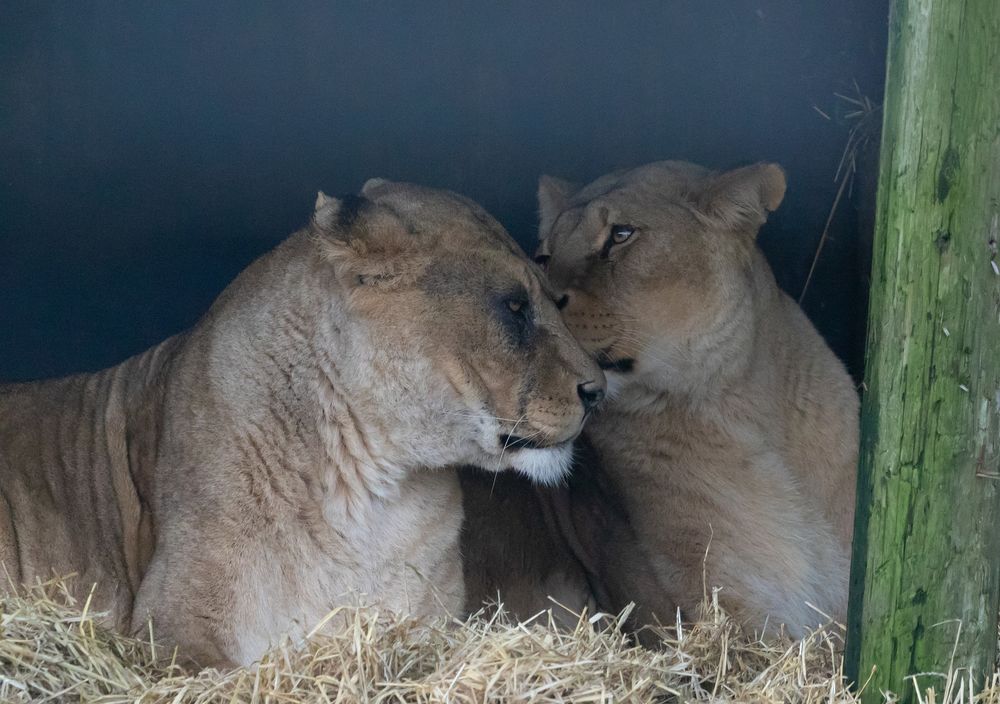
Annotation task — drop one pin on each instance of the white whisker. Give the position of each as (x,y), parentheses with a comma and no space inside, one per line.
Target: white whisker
(474,414)
(502,451)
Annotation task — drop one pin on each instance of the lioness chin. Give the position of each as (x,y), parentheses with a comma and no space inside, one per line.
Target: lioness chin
(287,455)
(731,429)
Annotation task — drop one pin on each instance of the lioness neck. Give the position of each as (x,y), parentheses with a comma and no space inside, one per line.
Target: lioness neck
(292,367)
(733,352)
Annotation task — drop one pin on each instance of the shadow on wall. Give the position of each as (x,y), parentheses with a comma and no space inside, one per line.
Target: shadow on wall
(148,153)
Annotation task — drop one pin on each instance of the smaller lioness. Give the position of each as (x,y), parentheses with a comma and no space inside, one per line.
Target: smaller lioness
(285,456)
(731,429)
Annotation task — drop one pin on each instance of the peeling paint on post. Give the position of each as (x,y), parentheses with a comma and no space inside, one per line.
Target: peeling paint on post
(926,564)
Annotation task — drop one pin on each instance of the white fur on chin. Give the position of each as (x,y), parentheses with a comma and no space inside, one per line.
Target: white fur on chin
(548,466)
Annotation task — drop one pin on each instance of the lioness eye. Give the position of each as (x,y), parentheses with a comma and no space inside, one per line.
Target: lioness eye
(621,233)
(514,311)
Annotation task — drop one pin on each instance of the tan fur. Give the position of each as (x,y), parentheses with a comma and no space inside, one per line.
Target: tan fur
(733,438)
(238,481)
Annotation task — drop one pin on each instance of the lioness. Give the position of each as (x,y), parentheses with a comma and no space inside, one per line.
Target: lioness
(731,429)
(240,480)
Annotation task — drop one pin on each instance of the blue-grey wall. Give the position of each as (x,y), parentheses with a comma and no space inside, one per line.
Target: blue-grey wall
(149,151)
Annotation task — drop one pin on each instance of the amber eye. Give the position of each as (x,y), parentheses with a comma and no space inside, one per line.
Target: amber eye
(621,233)
(515,305)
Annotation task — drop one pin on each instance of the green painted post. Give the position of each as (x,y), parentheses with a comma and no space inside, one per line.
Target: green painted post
(927,538)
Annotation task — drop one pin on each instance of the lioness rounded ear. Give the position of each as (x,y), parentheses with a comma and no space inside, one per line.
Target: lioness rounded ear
(553,197)
(371,185)
(325,211)
(322,199)
(335,216)
(367,248)
(742,198)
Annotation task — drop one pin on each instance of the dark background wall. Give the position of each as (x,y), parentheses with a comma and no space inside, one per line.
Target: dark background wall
(149,151)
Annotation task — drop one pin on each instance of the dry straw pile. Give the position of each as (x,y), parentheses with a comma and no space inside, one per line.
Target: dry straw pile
(51,650)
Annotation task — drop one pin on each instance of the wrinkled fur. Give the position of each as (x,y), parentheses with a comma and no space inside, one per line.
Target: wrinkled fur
(733,438)
(240,480)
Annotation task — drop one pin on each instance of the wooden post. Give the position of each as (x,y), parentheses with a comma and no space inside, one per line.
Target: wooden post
(926,564)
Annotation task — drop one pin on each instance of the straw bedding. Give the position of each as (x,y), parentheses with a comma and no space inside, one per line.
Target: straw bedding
(51,650)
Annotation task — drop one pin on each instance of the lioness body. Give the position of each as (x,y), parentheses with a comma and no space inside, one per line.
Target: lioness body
(731,428)
(238,482)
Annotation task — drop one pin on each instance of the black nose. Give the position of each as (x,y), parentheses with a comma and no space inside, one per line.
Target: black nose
(590,393)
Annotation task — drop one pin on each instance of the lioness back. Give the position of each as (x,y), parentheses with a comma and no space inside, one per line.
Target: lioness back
(69,502)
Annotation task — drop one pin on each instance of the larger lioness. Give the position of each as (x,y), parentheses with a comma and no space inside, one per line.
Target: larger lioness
(239,480)
(731,429)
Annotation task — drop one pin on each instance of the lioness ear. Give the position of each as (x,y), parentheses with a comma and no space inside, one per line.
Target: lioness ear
(553,197)
(367,246)
(332,214)
(371,185)
(741,199)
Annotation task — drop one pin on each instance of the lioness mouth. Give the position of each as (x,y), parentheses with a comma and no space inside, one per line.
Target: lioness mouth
(513,443)
(623,365)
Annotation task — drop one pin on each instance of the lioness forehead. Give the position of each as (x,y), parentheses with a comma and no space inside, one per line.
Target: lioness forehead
(655,192)
(431,211)
(661,180)
(486,269)
(473,251)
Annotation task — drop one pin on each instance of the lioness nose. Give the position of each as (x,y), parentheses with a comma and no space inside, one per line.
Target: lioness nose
(590,393)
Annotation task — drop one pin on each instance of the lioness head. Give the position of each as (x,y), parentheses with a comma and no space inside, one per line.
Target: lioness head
(474,362)
(658,264)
